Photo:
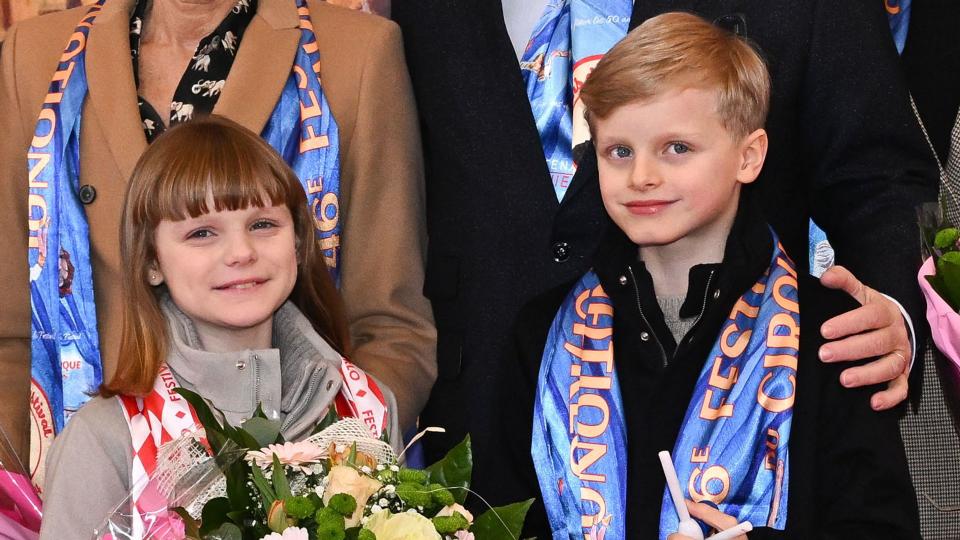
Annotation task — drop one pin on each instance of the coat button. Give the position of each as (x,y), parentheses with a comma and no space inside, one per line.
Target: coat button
(241,364)
(87,193)
(561,252)
(622,280)
(716,294)
(644,336)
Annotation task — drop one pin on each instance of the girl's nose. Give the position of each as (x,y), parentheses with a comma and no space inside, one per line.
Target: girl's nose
(240,250)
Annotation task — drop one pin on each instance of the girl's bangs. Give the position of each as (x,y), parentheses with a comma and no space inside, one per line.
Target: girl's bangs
(224,174)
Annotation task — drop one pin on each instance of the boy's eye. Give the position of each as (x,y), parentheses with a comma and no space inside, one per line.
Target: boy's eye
(677,148)
(620,152)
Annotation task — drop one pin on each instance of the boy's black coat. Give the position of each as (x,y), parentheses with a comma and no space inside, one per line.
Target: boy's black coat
(844,148)
(848,473)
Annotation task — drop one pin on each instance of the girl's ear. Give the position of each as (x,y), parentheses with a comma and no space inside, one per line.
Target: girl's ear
(154,275)
(753,151)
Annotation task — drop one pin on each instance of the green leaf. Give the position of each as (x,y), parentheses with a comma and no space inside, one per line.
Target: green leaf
(501,523)
(262,430)
(215,432)
(191,527)
(266,490)
(227,531)
(280,485)
(214,515)
(454,470)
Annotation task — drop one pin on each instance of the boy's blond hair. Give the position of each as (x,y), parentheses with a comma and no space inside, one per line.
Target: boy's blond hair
(681,50)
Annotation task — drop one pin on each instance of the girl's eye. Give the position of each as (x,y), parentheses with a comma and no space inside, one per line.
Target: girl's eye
(263,224)
(677,148)
(620,152)
(200,233)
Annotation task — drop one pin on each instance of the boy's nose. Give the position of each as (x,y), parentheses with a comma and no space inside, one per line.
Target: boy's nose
(644,176)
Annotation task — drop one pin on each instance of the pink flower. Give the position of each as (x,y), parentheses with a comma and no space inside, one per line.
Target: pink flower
(299,455)
(290,533)
(463,535)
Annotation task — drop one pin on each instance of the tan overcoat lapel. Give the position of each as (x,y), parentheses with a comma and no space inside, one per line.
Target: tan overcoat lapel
(262,66)
(112,92)
(253,86)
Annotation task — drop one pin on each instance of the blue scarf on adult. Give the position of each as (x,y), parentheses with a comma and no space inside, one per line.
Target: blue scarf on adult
(65,363)
(567,42)
(733,446)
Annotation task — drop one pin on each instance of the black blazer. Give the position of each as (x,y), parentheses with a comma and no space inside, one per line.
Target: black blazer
(844,148)
(848,472)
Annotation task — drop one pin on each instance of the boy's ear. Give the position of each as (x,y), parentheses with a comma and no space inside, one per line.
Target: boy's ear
(753,151)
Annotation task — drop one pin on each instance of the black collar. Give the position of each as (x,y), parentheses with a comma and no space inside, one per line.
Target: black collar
(746,256)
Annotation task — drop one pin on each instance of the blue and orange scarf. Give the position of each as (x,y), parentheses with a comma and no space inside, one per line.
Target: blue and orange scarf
(567,42)
(65,364)
(733,446)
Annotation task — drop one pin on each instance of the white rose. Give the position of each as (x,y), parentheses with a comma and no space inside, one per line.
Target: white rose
(405,526)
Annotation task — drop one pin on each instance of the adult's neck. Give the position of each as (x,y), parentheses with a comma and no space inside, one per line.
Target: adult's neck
(183,22)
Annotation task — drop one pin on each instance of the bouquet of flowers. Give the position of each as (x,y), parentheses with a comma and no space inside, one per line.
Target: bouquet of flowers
(940,282)
(341,483)
(19,503)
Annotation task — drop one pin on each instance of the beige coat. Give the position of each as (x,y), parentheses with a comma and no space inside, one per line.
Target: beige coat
(382,195)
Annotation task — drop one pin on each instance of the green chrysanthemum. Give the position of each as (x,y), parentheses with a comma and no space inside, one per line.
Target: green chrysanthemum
(450,524)
(441,495)
(343,504)
(299,507)
(412,476)
(414,495)
(946,238)
(330,524)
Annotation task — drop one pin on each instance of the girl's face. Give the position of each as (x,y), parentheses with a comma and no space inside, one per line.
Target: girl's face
(229,271)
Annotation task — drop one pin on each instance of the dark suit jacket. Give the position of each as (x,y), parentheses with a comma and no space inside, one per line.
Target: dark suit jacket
(844,148)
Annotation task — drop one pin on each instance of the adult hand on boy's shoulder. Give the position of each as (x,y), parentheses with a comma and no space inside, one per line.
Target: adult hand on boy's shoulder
(875,329)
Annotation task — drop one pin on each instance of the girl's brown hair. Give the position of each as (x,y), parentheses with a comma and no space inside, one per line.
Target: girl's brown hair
(217,158)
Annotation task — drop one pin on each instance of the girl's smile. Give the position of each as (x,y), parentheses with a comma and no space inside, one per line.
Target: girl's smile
(229,271)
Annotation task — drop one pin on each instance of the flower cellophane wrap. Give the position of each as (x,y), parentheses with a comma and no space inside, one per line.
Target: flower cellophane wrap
(340,476)
(944,323)
(186,477)
(20,507)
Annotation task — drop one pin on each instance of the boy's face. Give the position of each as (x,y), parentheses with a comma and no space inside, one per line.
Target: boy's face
(669,170)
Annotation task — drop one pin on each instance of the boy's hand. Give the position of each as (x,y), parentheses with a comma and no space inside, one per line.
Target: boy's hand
(876,328)
(711,516)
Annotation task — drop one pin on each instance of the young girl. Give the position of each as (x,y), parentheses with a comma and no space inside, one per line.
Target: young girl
(227,295)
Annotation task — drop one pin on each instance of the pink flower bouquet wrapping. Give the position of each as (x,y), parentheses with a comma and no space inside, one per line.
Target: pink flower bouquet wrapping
(20,507)
(944,321)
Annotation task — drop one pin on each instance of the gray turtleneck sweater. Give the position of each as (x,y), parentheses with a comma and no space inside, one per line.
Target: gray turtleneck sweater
(88,468)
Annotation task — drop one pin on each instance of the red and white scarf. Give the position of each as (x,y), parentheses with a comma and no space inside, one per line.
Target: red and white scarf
(163,415)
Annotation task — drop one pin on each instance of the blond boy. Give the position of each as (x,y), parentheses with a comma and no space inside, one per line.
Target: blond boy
(704,305)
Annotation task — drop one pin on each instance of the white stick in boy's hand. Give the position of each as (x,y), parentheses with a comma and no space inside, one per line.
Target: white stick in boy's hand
(687,527)
(733,532)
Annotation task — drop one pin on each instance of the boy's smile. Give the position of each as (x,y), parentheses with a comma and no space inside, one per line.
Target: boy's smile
(670,172)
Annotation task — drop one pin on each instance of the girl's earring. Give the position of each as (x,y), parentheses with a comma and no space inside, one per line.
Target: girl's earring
(154,278)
